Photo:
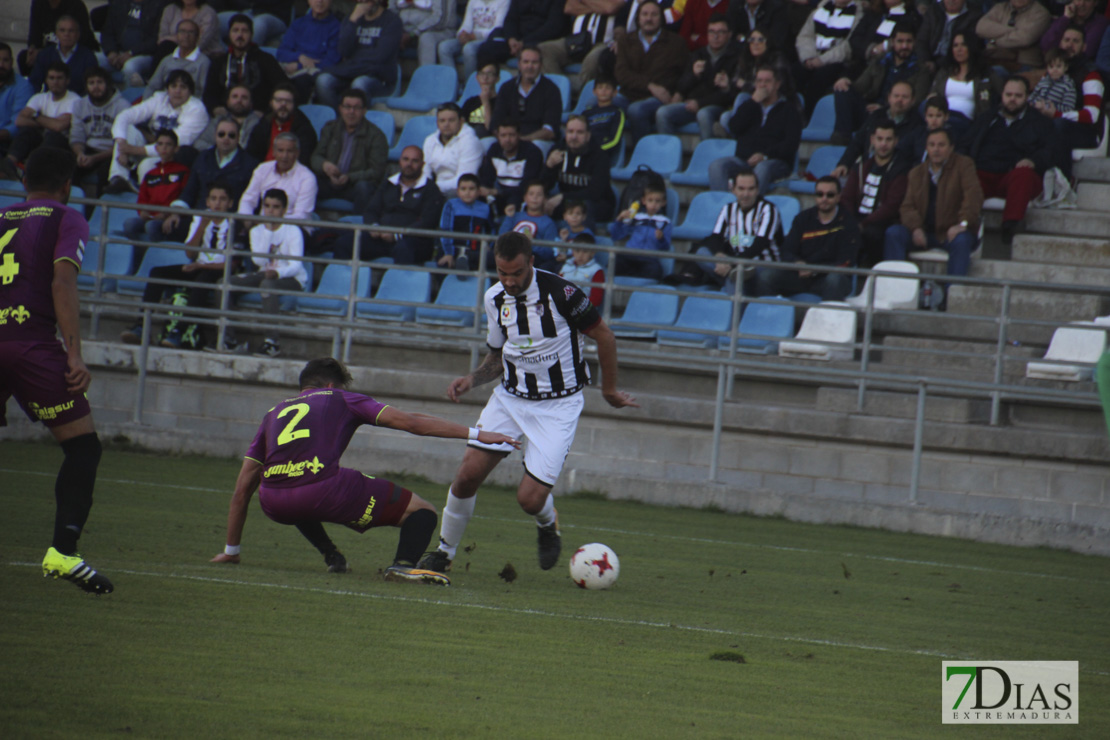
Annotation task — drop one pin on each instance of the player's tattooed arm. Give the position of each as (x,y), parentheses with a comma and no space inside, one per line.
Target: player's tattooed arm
(490,369)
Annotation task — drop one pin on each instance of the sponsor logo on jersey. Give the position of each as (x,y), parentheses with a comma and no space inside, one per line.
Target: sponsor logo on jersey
(18,314)
(506,314)
(295,469)
(48,413)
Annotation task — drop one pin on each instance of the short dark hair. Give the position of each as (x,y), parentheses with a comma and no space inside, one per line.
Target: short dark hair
(242,85)
(470,177)
(59,67)
(277,194)
(452,107)
(569,204)
(1020,79)
(285,86)
(718,18)
(241,18)
(221,185)
(939,102)
(584,238)
(166,132)
(48,169)
(830,180)
(180,75)
(530,47)
(92,72)
(4,47)
(509,123)
(529,184)
(511,245)
(323,370)
(354,92)
(903,27)
(605,80)
(946,132)
(1055,54)
(887,125)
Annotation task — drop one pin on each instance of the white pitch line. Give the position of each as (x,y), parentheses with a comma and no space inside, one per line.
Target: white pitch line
(703,540)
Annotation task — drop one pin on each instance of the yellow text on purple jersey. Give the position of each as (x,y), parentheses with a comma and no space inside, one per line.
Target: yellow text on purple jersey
(295,469)
(367,515)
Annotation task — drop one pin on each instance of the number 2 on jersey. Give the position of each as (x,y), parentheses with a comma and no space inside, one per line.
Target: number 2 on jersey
(9,268)
(290,433)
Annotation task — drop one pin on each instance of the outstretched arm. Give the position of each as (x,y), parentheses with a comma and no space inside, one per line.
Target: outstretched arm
(607,359)
(250,475)
(490,369)
(424,425)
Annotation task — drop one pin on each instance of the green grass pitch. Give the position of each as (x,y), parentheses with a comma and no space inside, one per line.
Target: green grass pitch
(720,626)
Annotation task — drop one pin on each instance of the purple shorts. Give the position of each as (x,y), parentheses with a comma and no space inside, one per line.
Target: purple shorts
(35,373)
(348,497)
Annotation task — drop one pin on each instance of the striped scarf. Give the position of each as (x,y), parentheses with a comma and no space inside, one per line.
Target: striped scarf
(832,24)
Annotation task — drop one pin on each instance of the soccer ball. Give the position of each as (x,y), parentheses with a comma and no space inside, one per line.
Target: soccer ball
(594,566)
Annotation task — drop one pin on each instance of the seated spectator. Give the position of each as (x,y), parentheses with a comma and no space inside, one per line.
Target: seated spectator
(90,129)
(480,19)
(594,26)
(695,21)
(240,107)
(874,192)
(44,121)
(506,166)
(646,228)
(529,218)
(78,59)
(282,118)
(605,118)
(531,99)
(1078,14)
(369,45)
(283,173)
(1081,127)
(582,267)
(224,163)
(161,186)
(580,172)
(197,11)
(134,130)
(823,236)
(269,17)
(573,223)
(243,64)
(936,117)
(697,95)
(409,199)
(426,24)
(527,23)
(452,150)
(130,38)
(212,233)
(942,207)
(1011,30)
(186,56)
(756,52)
(649,63)
(941,23)
(823,48)
(276,249)
(901,110)
(1056,88)
(768,131)
(14,94)
(477,110)
(352,154)
(966,82)
(750,228)
(745,16)
(310,45)
(855,100)
(44,21)
(872,38)
(467,214)
(1012,147)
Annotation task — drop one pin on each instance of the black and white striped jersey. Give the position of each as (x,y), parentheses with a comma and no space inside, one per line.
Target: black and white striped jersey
(753,234)
(539,334)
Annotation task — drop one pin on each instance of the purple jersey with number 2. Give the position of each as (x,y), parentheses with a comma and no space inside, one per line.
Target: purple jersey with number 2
(302,438)
(33,236)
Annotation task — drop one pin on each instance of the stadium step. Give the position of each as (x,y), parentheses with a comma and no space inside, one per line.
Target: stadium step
(1057,249)
(904,406)
(1033,304)
(1073,222)
(1093,196)
(968,357)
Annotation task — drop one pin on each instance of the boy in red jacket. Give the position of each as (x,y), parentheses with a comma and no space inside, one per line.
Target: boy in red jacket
(161,187)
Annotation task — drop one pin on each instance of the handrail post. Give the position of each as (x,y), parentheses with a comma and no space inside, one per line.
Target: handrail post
(1003,330)
(98,286)
(140,378)
(918,441)
(865,352)
(718,420)
(348,331)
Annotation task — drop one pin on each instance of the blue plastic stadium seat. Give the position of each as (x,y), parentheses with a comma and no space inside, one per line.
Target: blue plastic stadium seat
(429,87)
(657,309)
(132,94)
(117,261)
(455,302)
(673,203)
(820,164)
(702,214)
(788,209)
(336,204)
(822,121)
(661,152)
(398,285)
(472,88)
(413,134)
(318,115)
(563,83)
(699,322)
(762,320)
(336,281)
(383,119)
(697,171)
(154,257)
(635,282)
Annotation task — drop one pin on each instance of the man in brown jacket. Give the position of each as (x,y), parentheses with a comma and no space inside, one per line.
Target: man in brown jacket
(942,207)
(649,63)
(1012,32)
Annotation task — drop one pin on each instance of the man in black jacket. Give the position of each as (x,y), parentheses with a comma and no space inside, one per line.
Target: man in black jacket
(243,64)
(527,22)
(826,234)
(697,95)
(768,131)
(875,190)
(130,38)
(902,111)
(531,99)
(283,117)
(581,172)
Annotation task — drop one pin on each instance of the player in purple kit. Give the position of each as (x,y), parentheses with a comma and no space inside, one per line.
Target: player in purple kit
(42,243)
(294,463)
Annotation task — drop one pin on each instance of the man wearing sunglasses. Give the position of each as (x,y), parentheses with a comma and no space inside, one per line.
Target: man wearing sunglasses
(825,235)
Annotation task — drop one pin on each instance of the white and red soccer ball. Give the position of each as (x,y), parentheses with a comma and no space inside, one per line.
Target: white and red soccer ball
(594,566)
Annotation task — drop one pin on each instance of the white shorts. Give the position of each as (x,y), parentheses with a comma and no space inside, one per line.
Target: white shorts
(547,427)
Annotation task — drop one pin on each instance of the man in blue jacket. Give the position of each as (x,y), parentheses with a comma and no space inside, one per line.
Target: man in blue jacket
(369,43)
(310,45)
(15,91)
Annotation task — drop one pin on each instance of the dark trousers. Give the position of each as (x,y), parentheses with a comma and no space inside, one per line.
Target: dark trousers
(830,286)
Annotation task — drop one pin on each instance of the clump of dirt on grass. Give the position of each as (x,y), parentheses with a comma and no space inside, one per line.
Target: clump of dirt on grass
(508,573)
(728,656)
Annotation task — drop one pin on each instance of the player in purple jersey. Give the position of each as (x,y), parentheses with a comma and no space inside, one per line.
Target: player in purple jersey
(42,243)
(294,463)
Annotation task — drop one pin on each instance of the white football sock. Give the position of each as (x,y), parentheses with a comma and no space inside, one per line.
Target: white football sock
(546,517)
(456,515)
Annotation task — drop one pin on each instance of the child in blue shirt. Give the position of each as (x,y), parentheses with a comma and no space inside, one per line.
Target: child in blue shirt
(531,220)
(606,119)
(465,213)
(584,268)
(645,228)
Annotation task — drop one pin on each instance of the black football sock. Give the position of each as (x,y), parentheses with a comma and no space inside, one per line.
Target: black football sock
(314,533)
(416,533)
(73,490)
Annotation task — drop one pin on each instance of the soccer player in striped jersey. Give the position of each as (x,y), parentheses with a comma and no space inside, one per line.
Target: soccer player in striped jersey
(536,325)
